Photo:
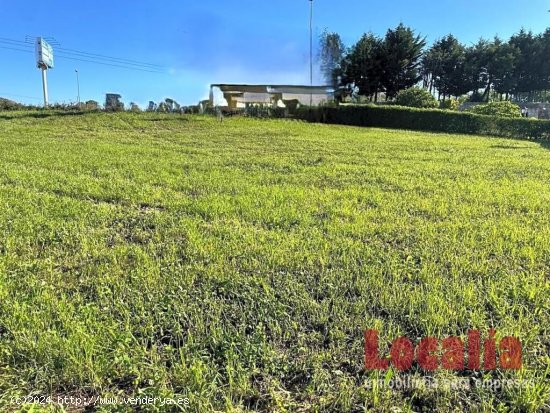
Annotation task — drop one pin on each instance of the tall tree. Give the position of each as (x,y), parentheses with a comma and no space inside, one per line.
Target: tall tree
(401,59)
(502,60)
(331,54)
(445,63)
(362,68)
(544,59)
(528,62)
(477,57)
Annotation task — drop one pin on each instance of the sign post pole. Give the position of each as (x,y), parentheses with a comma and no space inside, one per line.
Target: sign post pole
(45,86)
(310,50)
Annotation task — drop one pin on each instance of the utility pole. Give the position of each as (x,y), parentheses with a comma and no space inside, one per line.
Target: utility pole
(77,88)
(311,51)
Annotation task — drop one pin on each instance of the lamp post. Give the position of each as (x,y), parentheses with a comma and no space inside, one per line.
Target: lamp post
(310,51)
(77,88)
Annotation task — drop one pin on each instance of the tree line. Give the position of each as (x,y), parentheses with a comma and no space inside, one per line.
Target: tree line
(517,69)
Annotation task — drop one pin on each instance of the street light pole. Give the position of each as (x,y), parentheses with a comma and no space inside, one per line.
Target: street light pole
(77,88)
(310,51)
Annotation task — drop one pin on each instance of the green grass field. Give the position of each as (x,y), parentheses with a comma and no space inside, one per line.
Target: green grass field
(238,264)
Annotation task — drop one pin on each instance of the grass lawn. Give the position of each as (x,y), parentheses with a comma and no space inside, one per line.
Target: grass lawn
(238,264)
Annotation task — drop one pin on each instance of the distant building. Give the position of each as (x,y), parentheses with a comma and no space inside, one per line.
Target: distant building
(112,102)
(241,96)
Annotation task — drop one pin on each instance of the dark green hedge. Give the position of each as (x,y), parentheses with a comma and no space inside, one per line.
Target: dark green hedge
(432,120)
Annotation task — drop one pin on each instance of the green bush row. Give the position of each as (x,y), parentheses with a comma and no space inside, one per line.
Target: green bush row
(505,109)
(416,97)
(433,120)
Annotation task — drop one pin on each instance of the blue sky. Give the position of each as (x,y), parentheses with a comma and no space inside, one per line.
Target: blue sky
(219,41)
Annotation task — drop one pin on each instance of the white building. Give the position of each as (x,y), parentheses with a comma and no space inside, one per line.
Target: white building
(240,96)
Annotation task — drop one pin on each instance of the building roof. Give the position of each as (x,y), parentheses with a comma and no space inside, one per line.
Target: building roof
(297,89)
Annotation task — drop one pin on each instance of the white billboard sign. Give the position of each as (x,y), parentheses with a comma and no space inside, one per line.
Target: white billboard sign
(44,54)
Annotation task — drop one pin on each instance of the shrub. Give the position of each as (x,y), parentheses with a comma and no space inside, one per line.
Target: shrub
(7,104)
(449,104)
(433,120)
(264,112)
(91,105)
(64,106)
(503,109)
(134,107)
(416,98)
